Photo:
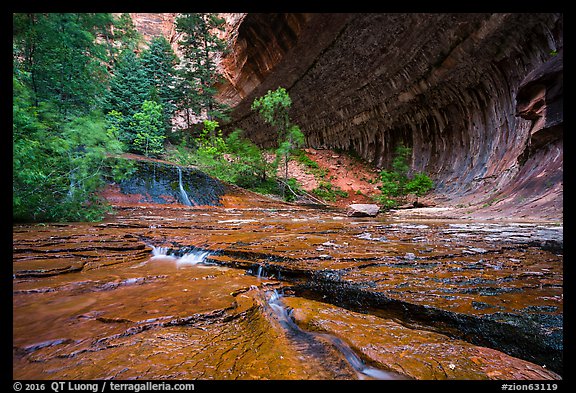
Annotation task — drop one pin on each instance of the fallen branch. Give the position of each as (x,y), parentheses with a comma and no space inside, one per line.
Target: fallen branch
(314,199)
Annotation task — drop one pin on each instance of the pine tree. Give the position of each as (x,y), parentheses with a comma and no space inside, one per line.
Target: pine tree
(199,45)
(159,62)
(59,137)
(65,62)
(129,88)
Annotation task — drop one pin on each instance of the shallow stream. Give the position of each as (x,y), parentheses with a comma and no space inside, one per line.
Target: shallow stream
(274,291)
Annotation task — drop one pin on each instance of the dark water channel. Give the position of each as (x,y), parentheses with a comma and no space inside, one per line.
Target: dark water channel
(265,291)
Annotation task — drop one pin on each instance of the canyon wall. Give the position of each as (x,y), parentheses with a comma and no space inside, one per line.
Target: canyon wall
(472,94)
(152,25)
(478,97)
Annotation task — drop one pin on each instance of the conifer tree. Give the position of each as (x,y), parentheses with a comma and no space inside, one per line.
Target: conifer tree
(199,45)
(129,88)
(159,62)
(65,62)
(59,137)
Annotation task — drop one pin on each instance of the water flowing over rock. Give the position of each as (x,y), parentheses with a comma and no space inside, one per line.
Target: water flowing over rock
(187,289)
(159,182)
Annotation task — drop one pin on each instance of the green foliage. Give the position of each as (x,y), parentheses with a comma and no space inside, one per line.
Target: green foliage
(268,187)
(199,45)
(57,167)
(396,183)
(233,159)
(61,144)
(294,188)
(420,184)
(65,62)
(313,167)
(273,108)
(129,89)
(159,62)
(302,158)
(211,141)
(248,160)
(141,87)
(295,136)
(386,201)
(391,183)
(115,122)
(329,192)
(400,162)
(148,127)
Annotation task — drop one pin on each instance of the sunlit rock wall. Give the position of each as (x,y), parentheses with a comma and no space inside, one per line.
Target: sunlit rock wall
(444,84)
(257,42)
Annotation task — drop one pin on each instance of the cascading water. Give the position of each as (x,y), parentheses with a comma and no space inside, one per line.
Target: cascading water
(183,193)
(192,257)
(283,315)
(161,252)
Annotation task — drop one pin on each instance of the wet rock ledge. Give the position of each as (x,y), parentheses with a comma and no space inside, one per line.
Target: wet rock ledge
(158,182)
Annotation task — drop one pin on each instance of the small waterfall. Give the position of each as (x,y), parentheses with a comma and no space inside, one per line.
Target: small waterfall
(161,252)
(263,272)
(183,193)
(192,257)
(356,362)
(283,313)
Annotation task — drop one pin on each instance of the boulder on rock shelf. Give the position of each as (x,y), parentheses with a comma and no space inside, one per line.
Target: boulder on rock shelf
(363,210)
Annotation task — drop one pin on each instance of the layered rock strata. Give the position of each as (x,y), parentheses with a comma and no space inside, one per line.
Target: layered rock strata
(441,300)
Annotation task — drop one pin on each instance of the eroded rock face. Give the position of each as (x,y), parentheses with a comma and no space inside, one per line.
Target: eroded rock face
(477,96)
(444,84)
(258,42)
